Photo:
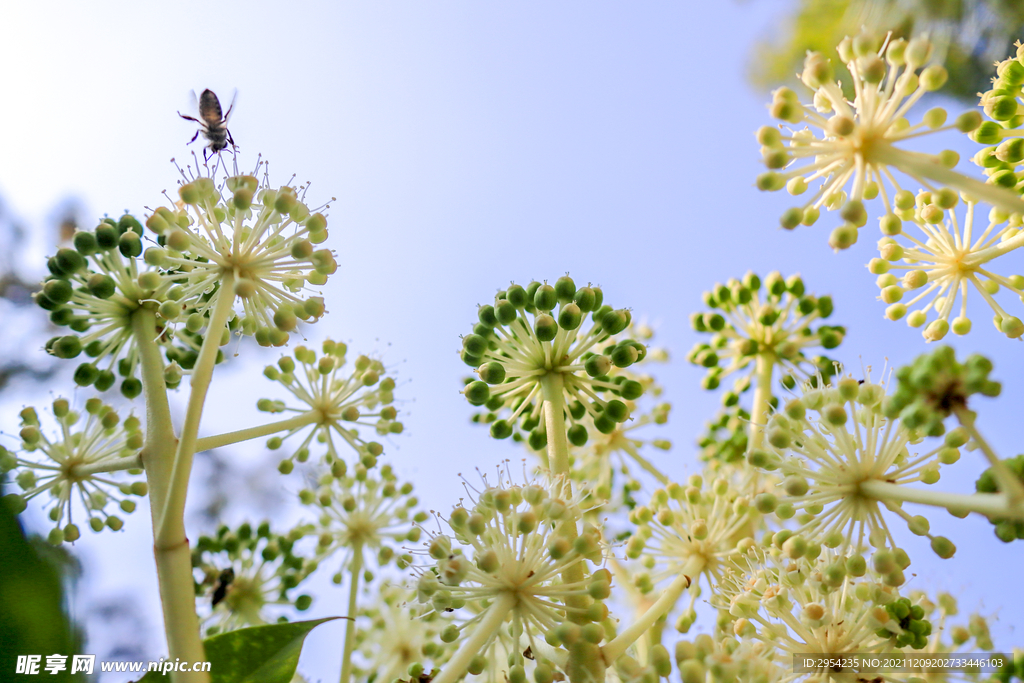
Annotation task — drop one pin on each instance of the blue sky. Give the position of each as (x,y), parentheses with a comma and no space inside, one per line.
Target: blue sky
(467,145)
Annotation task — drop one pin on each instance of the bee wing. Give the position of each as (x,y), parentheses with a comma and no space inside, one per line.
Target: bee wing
(230,107)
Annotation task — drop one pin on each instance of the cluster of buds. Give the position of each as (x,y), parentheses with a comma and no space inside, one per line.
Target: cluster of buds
(802,605)
(95,289)
(725,439)
(935,386)
(402,638)
(778,323)
(914,628)
(949,258)
(77,465)
(341,404)
(1002,158)
(522,340)
(838,452)
(246,236)
(725,660)
(505,560)
(241,573)
(256,241)
(855,148)
(370,511)
(696,529)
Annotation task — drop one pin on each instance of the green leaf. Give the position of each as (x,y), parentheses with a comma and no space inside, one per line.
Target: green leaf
(261,654)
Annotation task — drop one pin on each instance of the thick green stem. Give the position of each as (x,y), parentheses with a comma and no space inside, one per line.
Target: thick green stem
(1008,482)
(172,517)
(988,504)
(762,395)
(173,560)
(484,630)
(211,442)
(355,570)
(552,385)
(615,648)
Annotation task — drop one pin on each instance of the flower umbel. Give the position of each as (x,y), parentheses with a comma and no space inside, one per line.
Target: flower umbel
(340,403)
(514,356)
(1002,160)
(832,445)
(778,323)
(697,529)
(401,637)
(857,147)
(509,566)
(810,605)
(370,511)
(246,571)
(74,464)
(257,240)
(944,263)
(96,289)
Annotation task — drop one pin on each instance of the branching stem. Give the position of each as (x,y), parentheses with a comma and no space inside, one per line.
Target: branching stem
(210,442)
(355,570)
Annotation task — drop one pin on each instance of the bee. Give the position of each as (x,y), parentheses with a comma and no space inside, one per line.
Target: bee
(212,123)
(220,591)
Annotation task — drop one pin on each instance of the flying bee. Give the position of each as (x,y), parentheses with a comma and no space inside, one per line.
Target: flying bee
(212,123)
(220,591)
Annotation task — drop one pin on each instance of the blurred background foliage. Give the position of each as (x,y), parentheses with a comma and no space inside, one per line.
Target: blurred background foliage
(35,579)
(970,35)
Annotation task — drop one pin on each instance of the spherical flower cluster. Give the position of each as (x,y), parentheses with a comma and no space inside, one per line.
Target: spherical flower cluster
(945,262)
(936,386)
(402,639)
(72,466)
(726,660)
(96,289)
(505,560)
(241,573)
(725,440)
(338,404)
(249,241)
(527,353)
(777,323)
(840,457)
(370,511)
(1002,159)
(695,530)
(805,605)
(857,144)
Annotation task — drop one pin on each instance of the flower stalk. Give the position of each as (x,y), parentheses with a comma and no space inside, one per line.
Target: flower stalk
(616,647)
(355,572)
(485,629)
(762,395)
(172,525)
(988,504)
(173,558)
(210,442)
